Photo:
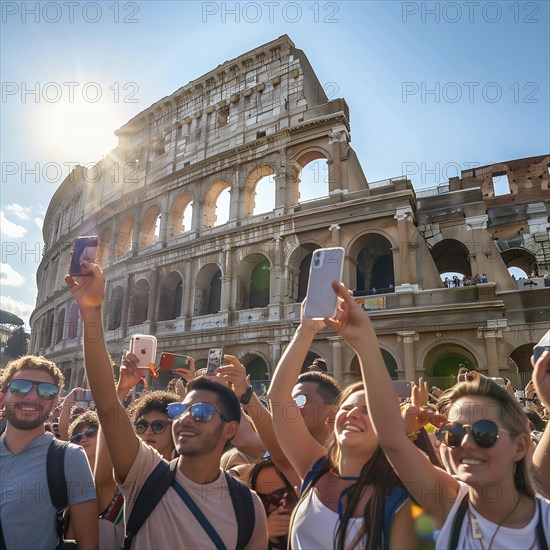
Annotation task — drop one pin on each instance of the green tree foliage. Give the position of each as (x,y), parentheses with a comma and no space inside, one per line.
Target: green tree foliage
(16,346)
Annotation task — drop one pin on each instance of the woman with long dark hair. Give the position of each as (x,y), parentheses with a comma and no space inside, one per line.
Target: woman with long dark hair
(351,497)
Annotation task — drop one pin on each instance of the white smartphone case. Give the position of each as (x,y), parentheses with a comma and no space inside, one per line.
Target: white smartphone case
(327,265)
(144,347)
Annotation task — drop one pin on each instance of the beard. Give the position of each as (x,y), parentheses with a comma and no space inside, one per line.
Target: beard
(26,420)
(204,445)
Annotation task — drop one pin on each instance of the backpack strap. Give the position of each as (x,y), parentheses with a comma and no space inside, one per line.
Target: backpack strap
(540,529)
(244,510)
(149,496)
(57,484)
(457,522)
(393,502)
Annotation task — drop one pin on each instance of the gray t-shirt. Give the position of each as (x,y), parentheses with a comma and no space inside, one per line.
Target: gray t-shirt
(26,510)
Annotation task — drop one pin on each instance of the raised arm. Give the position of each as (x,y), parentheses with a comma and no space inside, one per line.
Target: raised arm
(541,381)
(431,487)
(299,446)
(65,414)
(121,440)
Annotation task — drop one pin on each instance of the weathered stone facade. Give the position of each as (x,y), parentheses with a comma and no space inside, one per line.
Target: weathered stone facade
(198,282)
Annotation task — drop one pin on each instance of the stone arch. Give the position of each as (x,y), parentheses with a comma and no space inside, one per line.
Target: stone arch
(180,215)
(444,359)
(104,256)
(299,264)
(74,319)
(208,290)
(450,255)
(256,366)
(389,360)
(60,325)
(521,356)
(150,227)
(170,297)
(140,302)
(313,177)
(216,213)
(125,239)
(115,308)
(373,258)
(308,361)
(254,271)
(250,190)
(521,258)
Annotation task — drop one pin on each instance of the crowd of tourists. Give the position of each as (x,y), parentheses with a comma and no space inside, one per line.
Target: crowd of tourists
(210,464)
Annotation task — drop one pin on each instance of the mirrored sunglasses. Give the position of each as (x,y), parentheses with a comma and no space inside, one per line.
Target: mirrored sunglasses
(300,400)
(90,432)
(484,432)
(46,390)
(158,426)
(201,412)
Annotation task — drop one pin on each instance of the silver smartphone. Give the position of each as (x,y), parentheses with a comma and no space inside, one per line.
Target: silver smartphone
(215,358)
(327,265)
(144,347)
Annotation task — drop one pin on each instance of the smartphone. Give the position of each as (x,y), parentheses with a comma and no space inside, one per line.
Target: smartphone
(84,249)
(215,357)
(171,361)
(83,395)
(327,265)
(144,347)
(403,388)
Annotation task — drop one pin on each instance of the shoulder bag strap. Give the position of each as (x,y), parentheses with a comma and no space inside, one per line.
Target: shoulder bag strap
(200,517)
(540,529)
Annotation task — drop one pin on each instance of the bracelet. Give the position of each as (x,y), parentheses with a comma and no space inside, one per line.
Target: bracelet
(247,395)
(413,436)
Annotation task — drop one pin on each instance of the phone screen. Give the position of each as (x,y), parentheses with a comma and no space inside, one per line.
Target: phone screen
(84,250)
(215,357)
(171,361)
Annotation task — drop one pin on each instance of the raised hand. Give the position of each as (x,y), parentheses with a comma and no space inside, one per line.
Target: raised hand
(87,291)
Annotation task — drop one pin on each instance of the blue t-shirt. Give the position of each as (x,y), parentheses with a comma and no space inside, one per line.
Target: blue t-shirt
(26,510)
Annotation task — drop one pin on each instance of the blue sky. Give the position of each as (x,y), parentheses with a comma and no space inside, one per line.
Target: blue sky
(433,87)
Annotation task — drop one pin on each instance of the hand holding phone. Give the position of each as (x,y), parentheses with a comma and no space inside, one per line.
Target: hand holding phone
(144,347)
(215,357)
(172,362)
(403,388)
(84,250)
(327,265)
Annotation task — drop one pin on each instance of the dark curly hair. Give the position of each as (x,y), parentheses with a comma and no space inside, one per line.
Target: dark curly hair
(149,402)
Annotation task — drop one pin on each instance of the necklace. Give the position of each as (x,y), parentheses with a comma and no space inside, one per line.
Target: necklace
(476,529)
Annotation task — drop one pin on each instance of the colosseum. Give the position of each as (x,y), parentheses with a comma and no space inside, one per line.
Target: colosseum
(193,255)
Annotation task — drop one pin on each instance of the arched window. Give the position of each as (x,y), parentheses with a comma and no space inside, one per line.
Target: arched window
(170,297)
(115,308)
(208,290)
(140,302)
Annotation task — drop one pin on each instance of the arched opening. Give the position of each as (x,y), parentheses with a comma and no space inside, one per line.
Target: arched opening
(308,361)
(216,204)
(445,360)
(299,265)
(521,356)
(259,285)
(125,236)
(170,297)
(374,272)
(523,260)
(208,287)
(140,302)
(389,361)
(60,326)
(115,308)
(314,181)
(150,227)
(257,368)
(259,192)
(74,318)
(450,255)
(180,215)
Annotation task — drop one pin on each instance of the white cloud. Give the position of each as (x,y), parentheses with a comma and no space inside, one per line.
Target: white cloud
(39,222)
(21,212)
(16,307)
(10,229)
(10,277)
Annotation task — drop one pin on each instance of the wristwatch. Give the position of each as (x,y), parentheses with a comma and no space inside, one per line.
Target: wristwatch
(245,398)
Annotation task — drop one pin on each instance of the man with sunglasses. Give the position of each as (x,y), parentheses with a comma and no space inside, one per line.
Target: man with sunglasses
(29,388)
(201,426)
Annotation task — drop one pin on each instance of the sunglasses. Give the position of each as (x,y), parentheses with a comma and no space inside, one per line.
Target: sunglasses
(300,400)
(201,412)
(45,390)
(280,497)
(484,432)
(90,432)
(158,426)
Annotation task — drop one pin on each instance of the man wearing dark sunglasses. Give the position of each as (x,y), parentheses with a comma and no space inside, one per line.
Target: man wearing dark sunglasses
(201,426)
(29,388)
